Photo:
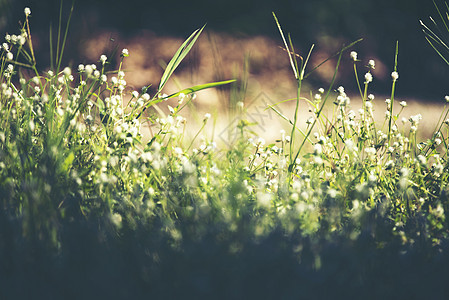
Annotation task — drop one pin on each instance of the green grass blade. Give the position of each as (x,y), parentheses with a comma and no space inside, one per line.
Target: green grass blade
(59,33)
(288,120)
(306,61)
(65,36)
(332,56)
(286,46)
(441,16)
(283,101)
(179,56)
(200,87)
(393,87)
(437,51)
(293,55)
(428,32)
(52,66)
(186,91)
(322,107)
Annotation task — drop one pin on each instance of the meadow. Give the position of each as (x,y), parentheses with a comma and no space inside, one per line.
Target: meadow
(107,192)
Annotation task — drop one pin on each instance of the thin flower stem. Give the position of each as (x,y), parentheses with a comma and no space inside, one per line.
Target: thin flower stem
(394,74)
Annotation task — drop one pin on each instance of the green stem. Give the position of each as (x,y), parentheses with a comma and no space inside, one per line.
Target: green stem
(392,93)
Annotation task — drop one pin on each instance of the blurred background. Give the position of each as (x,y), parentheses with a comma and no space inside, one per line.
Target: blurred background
(152,30)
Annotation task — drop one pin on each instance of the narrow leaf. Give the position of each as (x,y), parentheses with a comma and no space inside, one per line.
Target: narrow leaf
(179,56)
(200,87)
(286,46)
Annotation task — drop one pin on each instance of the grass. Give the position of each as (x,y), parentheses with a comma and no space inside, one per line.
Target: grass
(351,203)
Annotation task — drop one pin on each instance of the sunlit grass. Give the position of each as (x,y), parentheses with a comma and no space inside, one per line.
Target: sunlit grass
(72,154)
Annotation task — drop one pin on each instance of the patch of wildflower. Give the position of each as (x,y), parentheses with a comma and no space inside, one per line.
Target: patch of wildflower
(80,135)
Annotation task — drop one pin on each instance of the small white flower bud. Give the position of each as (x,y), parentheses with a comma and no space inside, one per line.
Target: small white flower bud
(394,75)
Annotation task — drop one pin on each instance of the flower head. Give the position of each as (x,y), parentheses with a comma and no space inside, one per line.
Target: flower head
(67,71)
(103,59)
(394,75)
(27,11)
(207,116)
(368,77)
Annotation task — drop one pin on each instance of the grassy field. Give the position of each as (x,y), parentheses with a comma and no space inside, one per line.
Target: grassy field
(113,191)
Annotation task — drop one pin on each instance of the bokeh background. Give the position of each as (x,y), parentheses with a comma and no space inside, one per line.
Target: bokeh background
(155,28)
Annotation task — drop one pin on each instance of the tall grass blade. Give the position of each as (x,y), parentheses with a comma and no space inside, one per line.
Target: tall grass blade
(436,41)
(441,16)
(332,56)
(179,56)
(286,46)
(320,110)
(393,87)
(200,87)
(51,48)
(61,46)
(186,91)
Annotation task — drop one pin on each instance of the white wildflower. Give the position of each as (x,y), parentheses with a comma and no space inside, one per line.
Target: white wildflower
(415,119)
(368,77)
(350,145)
(103,59)
(405,172)
(394,75)
(318,149)
(67,71)
(389,164)
(240,105)
(89,70)
(370,151)
(422,159)
(332,193)
(318,160)
(341,90)
(21,39)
